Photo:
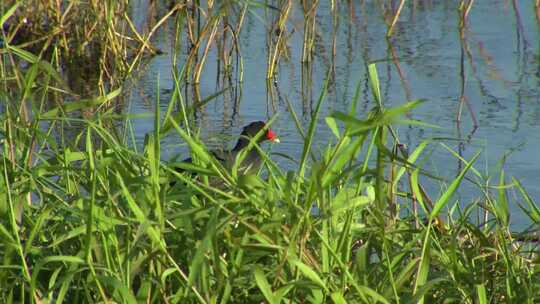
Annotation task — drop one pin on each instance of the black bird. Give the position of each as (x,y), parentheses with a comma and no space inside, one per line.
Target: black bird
(252,160)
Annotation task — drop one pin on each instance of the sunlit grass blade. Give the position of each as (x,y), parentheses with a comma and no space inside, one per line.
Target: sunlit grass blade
(310,274)
(533,212)
(264,286)
(9,13)
(374,82)
(481,294)
(444,199)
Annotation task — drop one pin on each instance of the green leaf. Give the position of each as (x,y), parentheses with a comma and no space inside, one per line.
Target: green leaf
(423,271)
(331,122)
(338,298)
(44,65)
(416,190)
(418,296)
(263,285)
(52,259)
(79,105)
(310,274)
(152,231)
(533,212)
(382,118)
(250,181)
(415,122)
(443,200)
(196,148)
(9,13)
(179,116)
(411,160)
(374,82)
(481,293)
(346,199)
(392,114)
(405,275)
(283,291)
(373,294)
(115,284)
(501,206)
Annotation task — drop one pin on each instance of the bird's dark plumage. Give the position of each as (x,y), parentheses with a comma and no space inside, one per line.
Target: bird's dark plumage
(252,160)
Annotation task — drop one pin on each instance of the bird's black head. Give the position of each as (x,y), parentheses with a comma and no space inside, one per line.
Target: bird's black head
(251,130)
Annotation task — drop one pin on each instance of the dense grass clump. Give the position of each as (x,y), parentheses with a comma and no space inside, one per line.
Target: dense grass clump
(93,220)
(88,217)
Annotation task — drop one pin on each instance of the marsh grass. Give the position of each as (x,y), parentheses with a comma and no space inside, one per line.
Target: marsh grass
(92,220)
(87,217)
(86,48)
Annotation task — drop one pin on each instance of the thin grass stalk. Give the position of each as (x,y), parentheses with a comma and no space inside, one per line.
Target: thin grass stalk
(307,145)
(335,25)
(463,99)
(311,130)
(239,67)
(391,190)
(90,216)
(155,158)
(146,40)
(222,61)
(200,64)
(16,229)
(537,11)
(307,87)
(239,59)
(390,270)
(362,291)
(178,76)
(395,59)
(90,207)
(380,169)
(465,8)
(309,29)
(194,34)
(275,51)
(468,9)
(395,19)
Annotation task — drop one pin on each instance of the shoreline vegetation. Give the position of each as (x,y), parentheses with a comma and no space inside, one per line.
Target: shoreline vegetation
(87,217)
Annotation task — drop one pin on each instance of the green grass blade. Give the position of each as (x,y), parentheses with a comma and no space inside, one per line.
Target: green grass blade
(264,286)
(310,274)
(443,200)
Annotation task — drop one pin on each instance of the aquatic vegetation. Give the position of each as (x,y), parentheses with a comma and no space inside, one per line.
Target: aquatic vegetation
(86,215)
(101,223)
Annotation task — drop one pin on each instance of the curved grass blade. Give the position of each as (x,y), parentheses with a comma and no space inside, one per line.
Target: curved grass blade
(443,200)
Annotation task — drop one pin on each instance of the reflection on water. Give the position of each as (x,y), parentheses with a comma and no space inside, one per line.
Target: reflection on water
(486,76)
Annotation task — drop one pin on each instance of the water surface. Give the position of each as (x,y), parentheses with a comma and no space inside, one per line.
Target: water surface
(495,68)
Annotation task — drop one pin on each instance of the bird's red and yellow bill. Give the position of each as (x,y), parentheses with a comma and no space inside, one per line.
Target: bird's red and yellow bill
(271,136)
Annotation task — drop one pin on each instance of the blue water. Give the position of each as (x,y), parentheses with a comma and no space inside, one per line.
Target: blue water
(501,73)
